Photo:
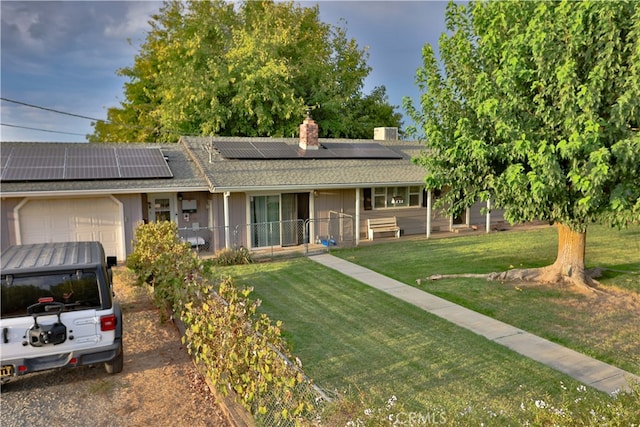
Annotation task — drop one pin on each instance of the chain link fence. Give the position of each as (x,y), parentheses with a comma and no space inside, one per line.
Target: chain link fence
(311,235)
(276,405)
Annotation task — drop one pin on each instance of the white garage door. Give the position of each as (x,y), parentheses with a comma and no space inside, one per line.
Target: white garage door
(59,220)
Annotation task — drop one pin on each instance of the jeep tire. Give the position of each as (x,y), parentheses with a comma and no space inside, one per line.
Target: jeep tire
(115,366)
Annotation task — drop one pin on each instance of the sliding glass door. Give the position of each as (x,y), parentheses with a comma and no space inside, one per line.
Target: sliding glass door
(265,221)
(278,220)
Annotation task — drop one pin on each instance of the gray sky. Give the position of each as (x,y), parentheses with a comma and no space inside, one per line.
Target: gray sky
(64,55)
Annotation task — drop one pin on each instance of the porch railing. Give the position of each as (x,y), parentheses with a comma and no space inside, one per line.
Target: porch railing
(337,230)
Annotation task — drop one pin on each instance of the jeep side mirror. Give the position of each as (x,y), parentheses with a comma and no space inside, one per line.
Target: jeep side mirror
(112,261)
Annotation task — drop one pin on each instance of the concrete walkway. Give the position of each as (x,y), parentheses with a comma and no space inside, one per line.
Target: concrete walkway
(585,369)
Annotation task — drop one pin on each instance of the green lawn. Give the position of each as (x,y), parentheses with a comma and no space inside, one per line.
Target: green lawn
(604,327)
(350,336)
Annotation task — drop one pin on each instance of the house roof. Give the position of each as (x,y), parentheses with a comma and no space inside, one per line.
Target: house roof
(197,167)
(186,175)
(303,173)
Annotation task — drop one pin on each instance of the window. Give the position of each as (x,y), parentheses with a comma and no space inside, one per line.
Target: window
(366,194)
(162,209)
(396,197)
(75,289)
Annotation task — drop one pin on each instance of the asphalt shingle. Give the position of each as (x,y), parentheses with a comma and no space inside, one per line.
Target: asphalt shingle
(242,175)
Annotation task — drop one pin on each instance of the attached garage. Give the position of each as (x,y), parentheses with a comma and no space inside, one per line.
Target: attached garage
(72,219)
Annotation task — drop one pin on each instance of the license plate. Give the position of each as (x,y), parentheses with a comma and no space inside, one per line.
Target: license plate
(6,371)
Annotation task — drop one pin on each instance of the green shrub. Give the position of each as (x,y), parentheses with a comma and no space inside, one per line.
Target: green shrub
(239,349)
(237,256)
(160,259)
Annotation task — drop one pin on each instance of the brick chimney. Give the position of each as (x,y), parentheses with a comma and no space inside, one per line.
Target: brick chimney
(309,134)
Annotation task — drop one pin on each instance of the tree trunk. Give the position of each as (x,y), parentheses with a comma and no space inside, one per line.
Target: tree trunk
(571,248)
(569,266)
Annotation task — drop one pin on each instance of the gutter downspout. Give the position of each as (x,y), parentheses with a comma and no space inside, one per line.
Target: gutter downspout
(227,225)
(210,221)
(429,200)
(488,223)
(312,216)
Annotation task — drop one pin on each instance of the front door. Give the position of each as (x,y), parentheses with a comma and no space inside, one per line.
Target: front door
(295,211)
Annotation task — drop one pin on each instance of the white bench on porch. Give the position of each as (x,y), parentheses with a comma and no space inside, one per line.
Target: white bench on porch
(381,225)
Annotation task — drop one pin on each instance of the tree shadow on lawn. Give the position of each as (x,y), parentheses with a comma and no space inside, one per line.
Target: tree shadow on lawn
(604,325)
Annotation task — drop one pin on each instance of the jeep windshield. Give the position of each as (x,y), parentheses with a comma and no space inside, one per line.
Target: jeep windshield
(75,290)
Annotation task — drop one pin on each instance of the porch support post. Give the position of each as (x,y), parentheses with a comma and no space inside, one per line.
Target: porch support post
(227,225)
(429,201)
(488,223)
(356,225)
(210,223)
(312,217)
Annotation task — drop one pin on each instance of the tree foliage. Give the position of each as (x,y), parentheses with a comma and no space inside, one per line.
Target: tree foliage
(536,105)
(243,69)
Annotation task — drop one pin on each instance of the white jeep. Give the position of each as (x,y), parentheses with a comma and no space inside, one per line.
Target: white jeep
(58,309)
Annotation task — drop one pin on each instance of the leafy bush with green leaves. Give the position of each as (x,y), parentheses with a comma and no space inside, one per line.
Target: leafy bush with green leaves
(162,260)
(239,349)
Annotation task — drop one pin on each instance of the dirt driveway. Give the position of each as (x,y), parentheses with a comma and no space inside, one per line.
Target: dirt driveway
(159,385)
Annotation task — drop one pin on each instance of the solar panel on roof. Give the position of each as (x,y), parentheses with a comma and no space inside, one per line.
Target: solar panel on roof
(139,157)
(41,151)
(277,150)
(231,153)
(84,151)
(39,174)
(40,162)
(92,161)
(54,163)
(365,150)
(94,172)
(140,171)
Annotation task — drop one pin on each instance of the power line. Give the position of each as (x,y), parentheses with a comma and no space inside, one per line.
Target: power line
(41,130)
(124,125)
(52,110)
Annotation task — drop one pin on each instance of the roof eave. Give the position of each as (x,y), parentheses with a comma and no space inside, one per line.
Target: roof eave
(100,192)
(309,187)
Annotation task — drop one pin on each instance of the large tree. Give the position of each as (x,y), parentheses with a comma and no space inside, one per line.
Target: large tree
(243,69)
(536,106)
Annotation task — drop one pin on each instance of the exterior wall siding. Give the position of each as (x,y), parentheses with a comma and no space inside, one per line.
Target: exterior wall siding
(335,200)
(200,216)
(132,207)
(412,220)
(8,221)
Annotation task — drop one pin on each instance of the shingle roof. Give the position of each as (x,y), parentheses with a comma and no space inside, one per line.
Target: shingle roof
(186,176)
(270,174)
(196,167)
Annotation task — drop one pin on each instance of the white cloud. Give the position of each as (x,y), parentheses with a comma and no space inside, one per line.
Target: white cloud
(134,22)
